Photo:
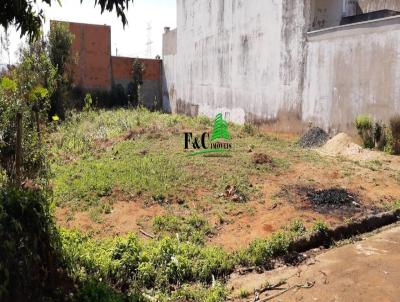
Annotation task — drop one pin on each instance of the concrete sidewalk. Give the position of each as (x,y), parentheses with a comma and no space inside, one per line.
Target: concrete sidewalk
(368,270)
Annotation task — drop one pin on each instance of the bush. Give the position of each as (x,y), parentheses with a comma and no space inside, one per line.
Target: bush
(29,249)
(364,125)
(248,129)
(395,128)
(26,92)
(319,226)
(93,290)
(380,135)
(388,148)
(59,51)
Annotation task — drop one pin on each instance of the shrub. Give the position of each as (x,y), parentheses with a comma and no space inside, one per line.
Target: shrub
(29,249)
(364,125)
(59,51)
(261,252)
(248,129)
(388,148)
(24,96)
(93,290)
(319,226)
(88,102)
(297,227)
(395,128)
(380,135)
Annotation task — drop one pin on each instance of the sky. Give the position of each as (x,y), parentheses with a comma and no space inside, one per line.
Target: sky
(130,41)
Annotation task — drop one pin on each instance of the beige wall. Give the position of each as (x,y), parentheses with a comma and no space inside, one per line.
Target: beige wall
(328,13)
(352,70)
(254,61)
(325,13)
(367,6)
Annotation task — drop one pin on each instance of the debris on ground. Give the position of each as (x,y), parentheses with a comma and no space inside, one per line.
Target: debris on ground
(234,194)
(331,198)
(144,152)
(262,159)
(343,145)
(168,200)
(132,135)
(335,197)
(313,138)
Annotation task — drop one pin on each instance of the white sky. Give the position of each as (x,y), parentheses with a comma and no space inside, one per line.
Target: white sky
(130,41)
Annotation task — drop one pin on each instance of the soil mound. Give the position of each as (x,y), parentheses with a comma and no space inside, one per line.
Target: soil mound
(343,145)
(315,137)
(262,159)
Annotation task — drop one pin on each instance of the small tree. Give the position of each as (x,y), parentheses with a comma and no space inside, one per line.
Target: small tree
(24,102)
(137,82)
(59,49)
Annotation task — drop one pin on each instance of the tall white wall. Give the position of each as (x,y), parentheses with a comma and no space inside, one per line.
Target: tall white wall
(242,58)
(253,60)
(352,70)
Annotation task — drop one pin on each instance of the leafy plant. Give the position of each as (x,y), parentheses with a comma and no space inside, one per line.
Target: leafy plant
(193,228)
(364,125)
(137,82)
(395,127)
(30,250)
(88,102)
(24,103)
(59,51)
(319,226)
(248,129)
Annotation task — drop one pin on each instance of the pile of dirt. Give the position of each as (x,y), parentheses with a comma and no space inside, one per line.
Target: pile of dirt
(313,138)
(262,159)
(343,145)
(333,198)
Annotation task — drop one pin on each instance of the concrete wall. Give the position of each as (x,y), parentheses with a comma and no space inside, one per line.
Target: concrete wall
(328,13)
(352,70)
(325,13)
(254,61)
(367,6)
(241,58)
(169,42)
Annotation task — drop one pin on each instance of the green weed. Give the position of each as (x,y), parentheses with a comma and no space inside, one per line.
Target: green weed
(192,228)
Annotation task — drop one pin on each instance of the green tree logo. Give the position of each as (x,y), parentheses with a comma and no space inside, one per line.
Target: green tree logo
(220,130)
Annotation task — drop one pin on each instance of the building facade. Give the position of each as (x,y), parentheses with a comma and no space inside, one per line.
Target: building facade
(284,63)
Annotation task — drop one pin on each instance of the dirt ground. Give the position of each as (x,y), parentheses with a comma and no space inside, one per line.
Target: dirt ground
(375,183)
(366,270)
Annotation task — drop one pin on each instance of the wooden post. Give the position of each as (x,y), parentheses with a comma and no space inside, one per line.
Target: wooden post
(18,149)
(38,128)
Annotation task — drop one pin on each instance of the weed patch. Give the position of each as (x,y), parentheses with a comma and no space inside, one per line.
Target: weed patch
(192,228)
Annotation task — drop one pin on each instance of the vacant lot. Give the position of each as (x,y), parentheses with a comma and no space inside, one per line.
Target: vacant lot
(123,171)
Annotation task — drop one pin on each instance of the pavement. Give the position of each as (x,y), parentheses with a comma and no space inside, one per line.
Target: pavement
(366,270)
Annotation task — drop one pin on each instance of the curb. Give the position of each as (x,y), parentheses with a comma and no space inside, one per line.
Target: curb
(362,225)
